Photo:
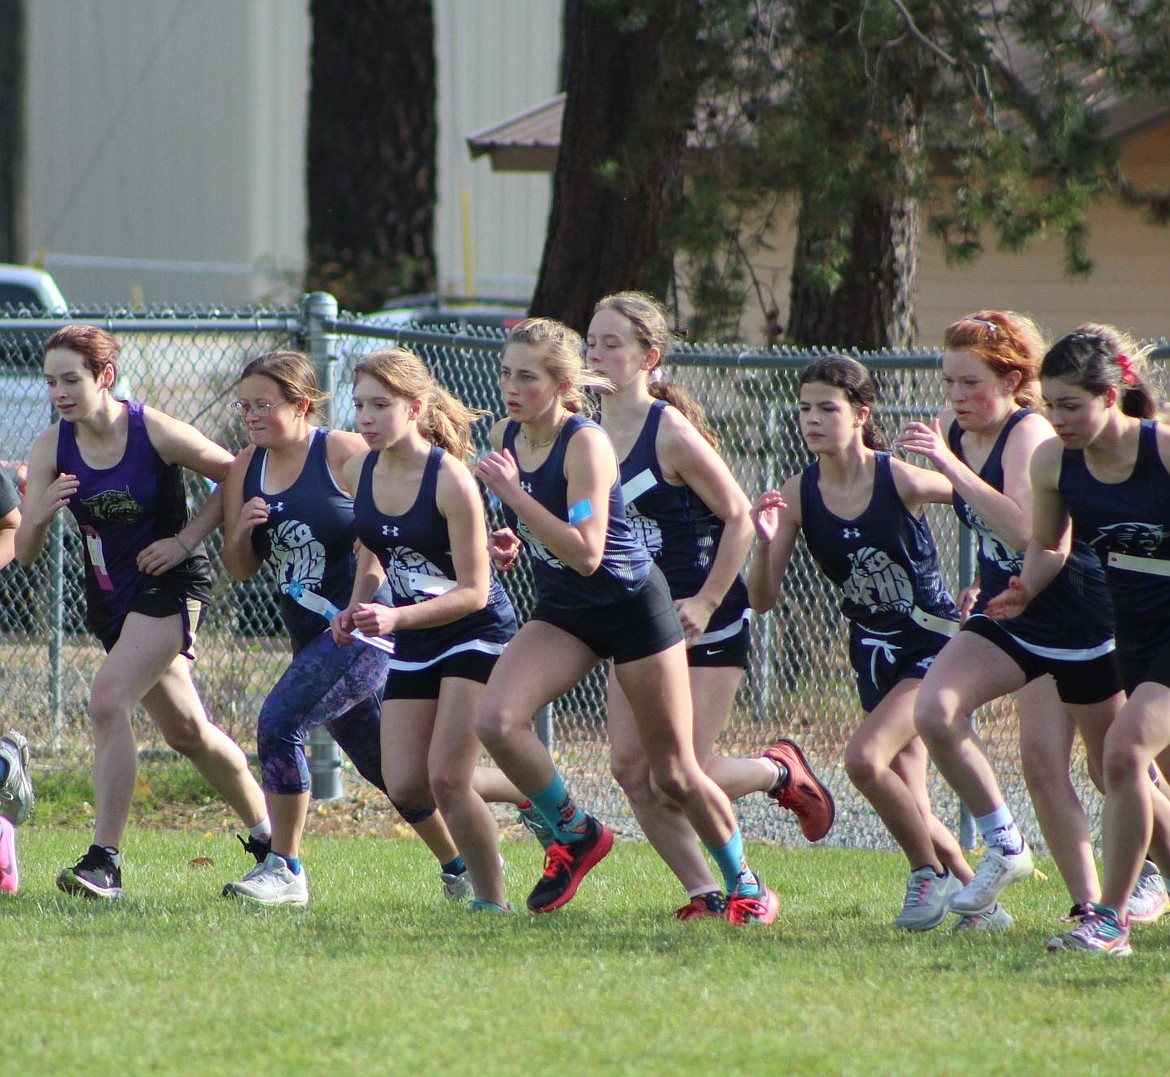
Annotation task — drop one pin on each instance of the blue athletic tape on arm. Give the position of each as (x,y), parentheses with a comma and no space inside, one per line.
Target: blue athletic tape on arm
(580,512)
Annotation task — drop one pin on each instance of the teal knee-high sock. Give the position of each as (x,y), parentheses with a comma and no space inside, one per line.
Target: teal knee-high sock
(737,876)
(560,811)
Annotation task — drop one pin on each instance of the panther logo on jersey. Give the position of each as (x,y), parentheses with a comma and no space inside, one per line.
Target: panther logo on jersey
(113,506)
(990,548)
(298,555)
(878,583)
(536,547)
(1136,537)
(646,530)
(404,567)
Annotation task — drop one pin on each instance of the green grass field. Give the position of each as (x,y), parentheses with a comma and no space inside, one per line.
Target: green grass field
(382,975)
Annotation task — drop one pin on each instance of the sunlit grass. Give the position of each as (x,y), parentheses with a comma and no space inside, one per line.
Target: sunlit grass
(382,975)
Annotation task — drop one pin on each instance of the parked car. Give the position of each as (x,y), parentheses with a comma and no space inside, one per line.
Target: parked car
(476,316)
(488,318)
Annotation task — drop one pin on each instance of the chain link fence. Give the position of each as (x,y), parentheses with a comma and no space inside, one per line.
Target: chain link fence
(798,683)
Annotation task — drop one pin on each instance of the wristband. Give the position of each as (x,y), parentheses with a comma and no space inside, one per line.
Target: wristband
(183,546)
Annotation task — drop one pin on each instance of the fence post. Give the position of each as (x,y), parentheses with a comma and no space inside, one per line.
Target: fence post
(316,308)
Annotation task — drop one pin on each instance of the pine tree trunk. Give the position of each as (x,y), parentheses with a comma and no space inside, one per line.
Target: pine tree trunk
(371,150)
(873,306)
(13,241)
(619,172)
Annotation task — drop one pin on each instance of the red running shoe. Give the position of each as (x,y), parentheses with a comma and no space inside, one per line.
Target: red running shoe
(704,907)
(802,792)
(565,865)
(761,908)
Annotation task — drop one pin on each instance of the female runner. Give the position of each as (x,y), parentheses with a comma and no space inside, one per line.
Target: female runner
(284,504)
(420,520)
(989,368)
(861,513)
(1109,474)
(685,505)
(598,596)
(117,466)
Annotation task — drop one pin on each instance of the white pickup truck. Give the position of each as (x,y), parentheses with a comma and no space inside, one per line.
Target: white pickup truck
(24,404)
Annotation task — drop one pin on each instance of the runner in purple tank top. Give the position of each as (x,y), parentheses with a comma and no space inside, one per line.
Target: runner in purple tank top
(117,467)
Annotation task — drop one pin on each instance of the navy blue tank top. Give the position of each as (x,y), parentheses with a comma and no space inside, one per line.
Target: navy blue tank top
(884,561)
(121,510)
(308,537)
(414,548)
(625,564)
(1127,524)
(1072,618)
(680,531)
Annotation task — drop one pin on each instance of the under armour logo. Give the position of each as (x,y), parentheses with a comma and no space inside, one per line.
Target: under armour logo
(275,506)
(526,487)
(389,530)
(851,532)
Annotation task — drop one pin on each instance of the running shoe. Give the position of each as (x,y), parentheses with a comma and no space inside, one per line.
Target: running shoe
(997,918)
(802,792)
(1101,933)
(565,865)
(490,907)
(927,900)
(758,908)
(996,871)
(9,865)
(704,907)
(1077,913)
(1149,899)
(271,883)
(95,875)
(456,887)
(16,791)
(257,847)
(534,821)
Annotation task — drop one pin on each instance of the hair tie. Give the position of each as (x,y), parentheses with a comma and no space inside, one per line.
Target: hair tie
(1127,372)
(656,375)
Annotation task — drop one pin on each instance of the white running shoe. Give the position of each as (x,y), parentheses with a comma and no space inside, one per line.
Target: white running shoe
(271,882)
(997,918)
(997,871)
(456,887)
(927,900)
(1149,899)
(16,791)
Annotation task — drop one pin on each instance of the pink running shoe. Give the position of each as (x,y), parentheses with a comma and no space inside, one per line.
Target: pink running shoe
(9,867)
(802,792)
(565,865)
(761,908)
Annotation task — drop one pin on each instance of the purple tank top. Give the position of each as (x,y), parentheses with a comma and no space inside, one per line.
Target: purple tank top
(121,510)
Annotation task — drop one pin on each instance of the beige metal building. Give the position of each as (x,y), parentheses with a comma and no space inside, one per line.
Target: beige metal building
(166,146)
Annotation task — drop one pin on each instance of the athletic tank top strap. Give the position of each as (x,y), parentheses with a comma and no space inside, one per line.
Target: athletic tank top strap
(1072,618)
(120,510)
(675,525)
(1126,524)
(308,537)
(884,560)
(414,549)
(625,563)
